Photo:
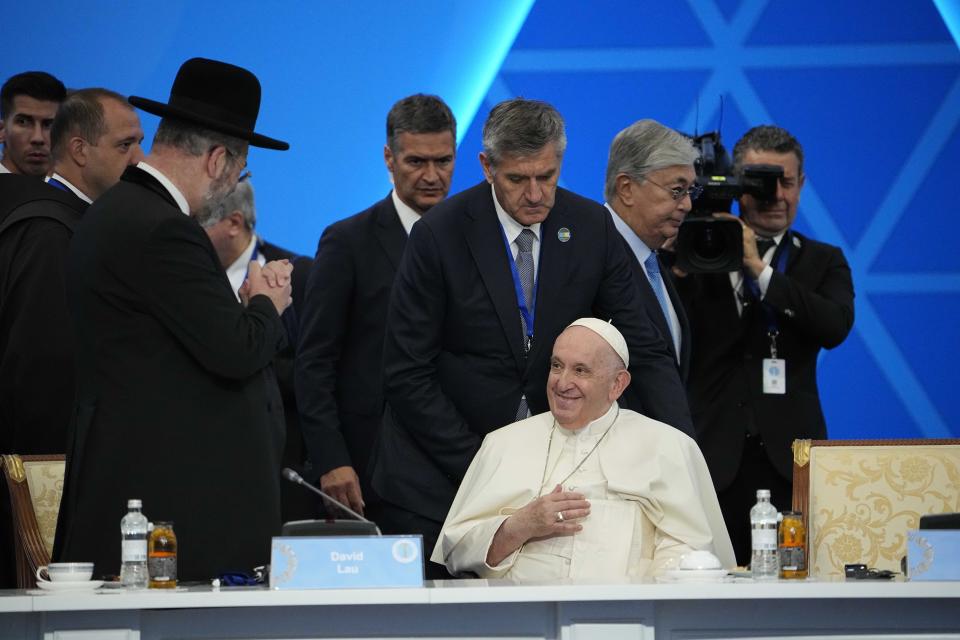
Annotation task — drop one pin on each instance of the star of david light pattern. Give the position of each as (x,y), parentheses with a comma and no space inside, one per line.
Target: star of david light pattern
(728,64)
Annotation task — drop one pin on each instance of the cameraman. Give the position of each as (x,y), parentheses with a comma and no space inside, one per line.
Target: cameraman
(756,334)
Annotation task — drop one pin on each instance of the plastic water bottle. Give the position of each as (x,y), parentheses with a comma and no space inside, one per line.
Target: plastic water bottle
(764,561)
(133,529)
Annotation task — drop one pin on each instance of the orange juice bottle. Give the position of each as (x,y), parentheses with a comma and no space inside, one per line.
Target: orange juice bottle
(162,556)
(793,546)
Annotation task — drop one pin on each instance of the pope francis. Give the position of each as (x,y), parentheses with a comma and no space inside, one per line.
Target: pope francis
(587,490)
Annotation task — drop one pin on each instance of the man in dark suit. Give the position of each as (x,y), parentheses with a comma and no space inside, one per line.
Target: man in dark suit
(28,104)
(340,355)
(232,230)
(650,188)
(757,334)
(489,279)
(172,403)
(95,135)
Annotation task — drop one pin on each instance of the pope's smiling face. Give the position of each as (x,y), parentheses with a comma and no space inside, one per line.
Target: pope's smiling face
(586,377)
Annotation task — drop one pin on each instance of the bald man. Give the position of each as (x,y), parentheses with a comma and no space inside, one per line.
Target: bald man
(587,489)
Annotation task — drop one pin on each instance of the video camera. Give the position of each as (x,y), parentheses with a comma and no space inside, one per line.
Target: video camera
(704,243)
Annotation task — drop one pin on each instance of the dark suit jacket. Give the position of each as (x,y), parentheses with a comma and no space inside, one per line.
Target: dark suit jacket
(37,381)
(655,312)
(172,405)
(296,503)
(813,300)
(454,367)
(340,354)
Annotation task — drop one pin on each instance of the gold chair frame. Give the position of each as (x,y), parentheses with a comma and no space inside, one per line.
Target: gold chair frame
(30,550)
(801,469)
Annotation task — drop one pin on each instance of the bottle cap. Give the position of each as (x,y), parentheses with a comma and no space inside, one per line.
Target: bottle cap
(763,493)
(134,503)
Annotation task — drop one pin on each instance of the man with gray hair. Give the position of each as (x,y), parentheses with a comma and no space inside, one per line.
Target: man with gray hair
(231,229)
(172,405)
(489,280)
(650,188)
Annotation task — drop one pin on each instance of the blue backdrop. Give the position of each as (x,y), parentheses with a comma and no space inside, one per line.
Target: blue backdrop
(870,87)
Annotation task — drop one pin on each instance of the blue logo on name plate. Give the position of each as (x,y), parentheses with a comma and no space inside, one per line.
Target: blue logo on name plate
(346,562)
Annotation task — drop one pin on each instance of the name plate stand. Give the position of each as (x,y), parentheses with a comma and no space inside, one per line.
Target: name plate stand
(345,562)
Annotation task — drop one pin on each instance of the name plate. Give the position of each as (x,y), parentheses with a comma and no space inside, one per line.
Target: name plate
(933,554)
(346,562)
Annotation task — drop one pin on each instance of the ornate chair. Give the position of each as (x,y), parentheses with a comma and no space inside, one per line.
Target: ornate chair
(35,484)
(860,497)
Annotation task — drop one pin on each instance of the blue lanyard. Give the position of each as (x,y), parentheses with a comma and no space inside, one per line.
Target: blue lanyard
(253,256)
(779,261)
(528,314)
(56,184)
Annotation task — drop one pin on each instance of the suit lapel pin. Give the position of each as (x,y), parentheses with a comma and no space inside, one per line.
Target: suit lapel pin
(563,234)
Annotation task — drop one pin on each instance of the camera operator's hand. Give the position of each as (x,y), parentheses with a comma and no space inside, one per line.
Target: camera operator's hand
(752,261)
(669,245)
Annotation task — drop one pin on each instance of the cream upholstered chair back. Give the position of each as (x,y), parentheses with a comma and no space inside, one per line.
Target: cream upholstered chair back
(35,484)
(860,497)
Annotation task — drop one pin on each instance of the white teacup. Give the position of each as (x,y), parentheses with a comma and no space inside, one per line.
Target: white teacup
(66,572)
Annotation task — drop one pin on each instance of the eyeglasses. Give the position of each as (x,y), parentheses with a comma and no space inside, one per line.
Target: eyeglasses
(679,193)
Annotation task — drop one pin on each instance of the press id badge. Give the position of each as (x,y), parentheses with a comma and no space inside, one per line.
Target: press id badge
(774,375)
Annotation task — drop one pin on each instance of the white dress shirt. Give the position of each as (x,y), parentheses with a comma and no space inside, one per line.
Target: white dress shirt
(406,213)
(642,251)
(169,186)
(763,281)
(69,185)
(237,271)
(3,168)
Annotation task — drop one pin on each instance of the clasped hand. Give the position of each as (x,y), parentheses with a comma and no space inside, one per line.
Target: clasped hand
(271,280)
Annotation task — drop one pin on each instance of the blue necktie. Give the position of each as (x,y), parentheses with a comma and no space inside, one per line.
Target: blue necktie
(652,266)
(525,270)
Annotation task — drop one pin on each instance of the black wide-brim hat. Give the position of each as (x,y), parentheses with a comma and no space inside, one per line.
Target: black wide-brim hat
(215,95)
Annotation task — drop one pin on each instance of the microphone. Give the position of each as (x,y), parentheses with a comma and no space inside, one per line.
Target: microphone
(296,478)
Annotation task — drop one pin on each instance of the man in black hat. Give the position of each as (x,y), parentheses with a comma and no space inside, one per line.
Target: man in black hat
(172,405)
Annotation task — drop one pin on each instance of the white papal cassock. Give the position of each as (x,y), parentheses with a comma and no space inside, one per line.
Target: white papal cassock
(651,500)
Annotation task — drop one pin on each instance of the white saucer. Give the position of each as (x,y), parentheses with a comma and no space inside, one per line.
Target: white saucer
(89,585)
(695,575)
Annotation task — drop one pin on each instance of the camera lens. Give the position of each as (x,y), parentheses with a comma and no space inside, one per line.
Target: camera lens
(709,245)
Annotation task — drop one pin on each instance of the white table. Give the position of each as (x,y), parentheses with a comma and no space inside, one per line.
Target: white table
(495,609)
